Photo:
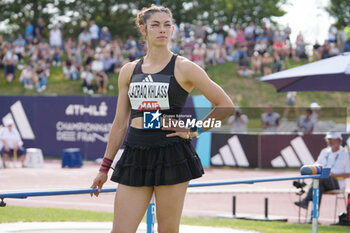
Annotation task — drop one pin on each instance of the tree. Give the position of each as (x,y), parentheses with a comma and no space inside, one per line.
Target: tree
(240,12)
(17,12)
(114,14)
(119,15)
(340,10)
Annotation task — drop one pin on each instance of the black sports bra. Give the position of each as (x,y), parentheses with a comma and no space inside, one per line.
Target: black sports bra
(159,91)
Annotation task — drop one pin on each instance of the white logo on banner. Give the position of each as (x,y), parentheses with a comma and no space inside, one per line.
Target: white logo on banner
(82,131)
(22,124)
(231,154)
(91,110)
(294,156)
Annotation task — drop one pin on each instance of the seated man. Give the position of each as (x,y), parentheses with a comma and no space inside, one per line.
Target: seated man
(337,159)
(270,119)
(305,123)
(12,142)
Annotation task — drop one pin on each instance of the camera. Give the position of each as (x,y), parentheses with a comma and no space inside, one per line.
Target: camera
(299,185)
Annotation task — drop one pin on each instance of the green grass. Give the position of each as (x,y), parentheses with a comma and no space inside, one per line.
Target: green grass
(58,85)
(26,214)
(261,226)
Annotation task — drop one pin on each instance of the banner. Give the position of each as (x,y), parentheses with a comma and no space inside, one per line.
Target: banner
(234,150)
(54,123)
(268,151)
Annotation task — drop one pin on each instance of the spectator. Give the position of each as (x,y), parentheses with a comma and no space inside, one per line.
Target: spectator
(210,57)
(341,39)
(19,51)
(198,54)
(249,35)
(87,80)
(335,157)
(12,143)
(240,37)
(10,61)
(38,28)
(290,103)
(261,46)
(256,63)
(315,107)
(325,50)
(108,63)
(267,63)
(29,32)
(220,54)
(69,70)
(347,33)
(317,50)
(105,35)
(99,74)
(198,31)
(278,64)
(75,57)
(279,48)
(94,33)
(238,122)
(333,50)
(20,41)
(176,32)
(287,32)
(243,67)
(219,34)
(56,56)
(42,76)
(84,38)
(27,77)
(88,56)
(270,120)
(55,37)
(305,123)
(332,34)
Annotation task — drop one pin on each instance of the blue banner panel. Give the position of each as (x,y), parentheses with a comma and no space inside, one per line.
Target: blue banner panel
(54,123)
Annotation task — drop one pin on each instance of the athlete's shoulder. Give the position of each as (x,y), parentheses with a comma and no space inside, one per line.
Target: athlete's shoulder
(129,67)
(184,64)
(126,71)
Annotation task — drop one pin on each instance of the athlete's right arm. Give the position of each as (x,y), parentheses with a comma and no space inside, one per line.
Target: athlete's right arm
(121,119)
(120,123)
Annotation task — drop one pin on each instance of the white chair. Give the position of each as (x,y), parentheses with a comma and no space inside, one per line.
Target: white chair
(339,194)
(1,164)
(34,158)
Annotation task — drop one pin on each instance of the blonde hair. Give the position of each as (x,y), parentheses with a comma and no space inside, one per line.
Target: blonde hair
(146,13)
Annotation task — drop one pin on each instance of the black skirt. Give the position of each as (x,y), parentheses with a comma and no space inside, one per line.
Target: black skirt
(151,159)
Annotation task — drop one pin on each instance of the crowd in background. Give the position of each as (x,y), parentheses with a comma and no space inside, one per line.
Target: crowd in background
(95,54)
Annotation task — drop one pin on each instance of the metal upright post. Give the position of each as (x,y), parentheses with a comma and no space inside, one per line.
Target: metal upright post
(151,215)
(315,198)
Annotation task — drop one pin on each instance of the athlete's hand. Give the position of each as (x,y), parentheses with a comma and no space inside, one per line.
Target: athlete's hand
(100,179)
(172,125)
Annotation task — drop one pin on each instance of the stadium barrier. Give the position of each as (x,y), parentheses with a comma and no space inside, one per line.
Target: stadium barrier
(324,173)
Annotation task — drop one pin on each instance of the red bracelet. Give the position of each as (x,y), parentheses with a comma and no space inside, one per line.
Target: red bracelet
(105,165)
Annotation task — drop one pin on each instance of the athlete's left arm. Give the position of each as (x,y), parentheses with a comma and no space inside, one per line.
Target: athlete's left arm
(196,77)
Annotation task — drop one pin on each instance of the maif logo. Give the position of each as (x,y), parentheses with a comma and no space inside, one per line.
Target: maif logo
(151,120)
(22,124)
